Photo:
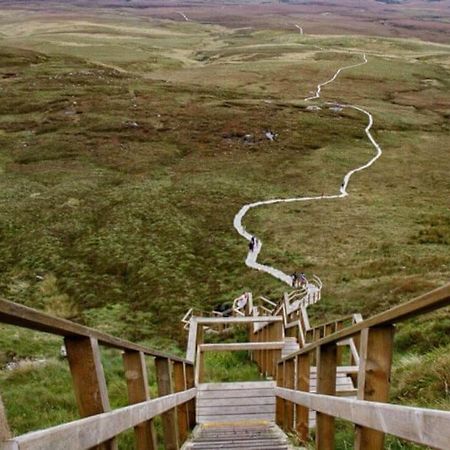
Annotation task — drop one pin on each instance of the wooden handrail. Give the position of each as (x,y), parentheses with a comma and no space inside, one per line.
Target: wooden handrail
(91,431)
(22,316)
(423,426)
(236,320)
(428,302)
(238,346)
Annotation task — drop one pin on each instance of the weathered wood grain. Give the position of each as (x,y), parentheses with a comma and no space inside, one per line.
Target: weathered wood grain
(420,425)
(91,431)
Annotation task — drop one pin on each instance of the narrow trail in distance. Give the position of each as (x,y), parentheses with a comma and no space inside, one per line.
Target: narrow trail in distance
(252,256)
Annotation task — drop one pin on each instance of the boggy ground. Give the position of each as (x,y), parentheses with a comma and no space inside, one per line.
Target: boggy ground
(128,143)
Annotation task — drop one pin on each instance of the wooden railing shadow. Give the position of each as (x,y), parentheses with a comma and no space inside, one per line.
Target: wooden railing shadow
(100,425)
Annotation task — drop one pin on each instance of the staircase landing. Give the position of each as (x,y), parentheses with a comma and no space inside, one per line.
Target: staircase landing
(235,402)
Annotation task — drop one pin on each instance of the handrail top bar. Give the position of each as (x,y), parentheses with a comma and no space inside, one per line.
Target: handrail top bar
(93,430)
(323,324)
(19,315)
(247,319)
(237,346)
(435,299)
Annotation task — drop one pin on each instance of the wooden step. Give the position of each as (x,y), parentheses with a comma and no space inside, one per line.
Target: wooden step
(224,402)
(245,435)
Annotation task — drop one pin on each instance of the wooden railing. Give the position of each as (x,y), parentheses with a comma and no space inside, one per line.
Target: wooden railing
(100,426)
(370,412)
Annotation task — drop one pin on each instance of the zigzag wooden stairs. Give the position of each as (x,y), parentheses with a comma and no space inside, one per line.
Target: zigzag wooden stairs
(340,369)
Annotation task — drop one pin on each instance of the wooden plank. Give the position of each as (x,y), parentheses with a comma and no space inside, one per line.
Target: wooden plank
(236,410)
(419,425)
(301,412)
(5,432)
(278,336)
(199,367)
(231,418)
(165,387)
(238,401)
(237,394)
(238,346)
(190,383)
(376,350)
(179,378)
(289,382)
(91,431)
(279,408)
(237,320)
(137,384)
(326,357)
(192,340)
(237,386)
(88,379)
(438,298)
(22,316)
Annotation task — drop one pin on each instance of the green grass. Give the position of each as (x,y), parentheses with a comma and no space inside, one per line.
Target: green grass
(124,228)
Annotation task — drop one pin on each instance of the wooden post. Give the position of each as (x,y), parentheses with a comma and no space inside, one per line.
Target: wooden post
(302,413)
(289,383)
(270,334)
(5,432)
(259,352)
(165,387)
(200,366)
(279,401)
(340,348)
(265,352)
(88,379)
(182,413)
(190,383)
(377,345)
(137,383)
(326,384)
(277,337)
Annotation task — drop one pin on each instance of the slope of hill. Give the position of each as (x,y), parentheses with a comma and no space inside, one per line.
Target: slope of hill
(128,143)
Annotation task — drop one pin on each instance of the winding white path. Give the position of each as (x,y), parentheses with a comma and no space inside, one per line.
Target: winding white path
(300,29)
(182,14)
(252,256)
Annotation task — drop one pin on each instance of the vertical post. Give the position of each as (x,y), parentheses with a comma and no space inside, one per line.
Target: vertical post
(137,383)
(302,412)
(340,349)
(200,367)
(270,353)
(279,401)
(278,337)
(182,413)
(88,379)
(259,352)
(377,345)
(5,432)
(165,387)
(190,383)
(289,383)
(265,352)
(326,384)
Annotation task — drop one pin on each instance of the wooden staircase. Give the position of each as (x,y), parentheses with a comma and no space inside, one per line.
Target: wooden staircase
(310,386)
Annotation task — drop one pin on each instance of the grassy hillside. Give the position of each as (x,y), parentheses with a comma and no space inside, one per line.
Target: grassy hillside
(123,160)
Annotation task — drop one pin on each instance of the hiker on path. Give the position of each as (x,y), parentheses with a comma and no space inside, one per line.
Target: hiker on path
(303,280)
(252,244)
(294,277)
